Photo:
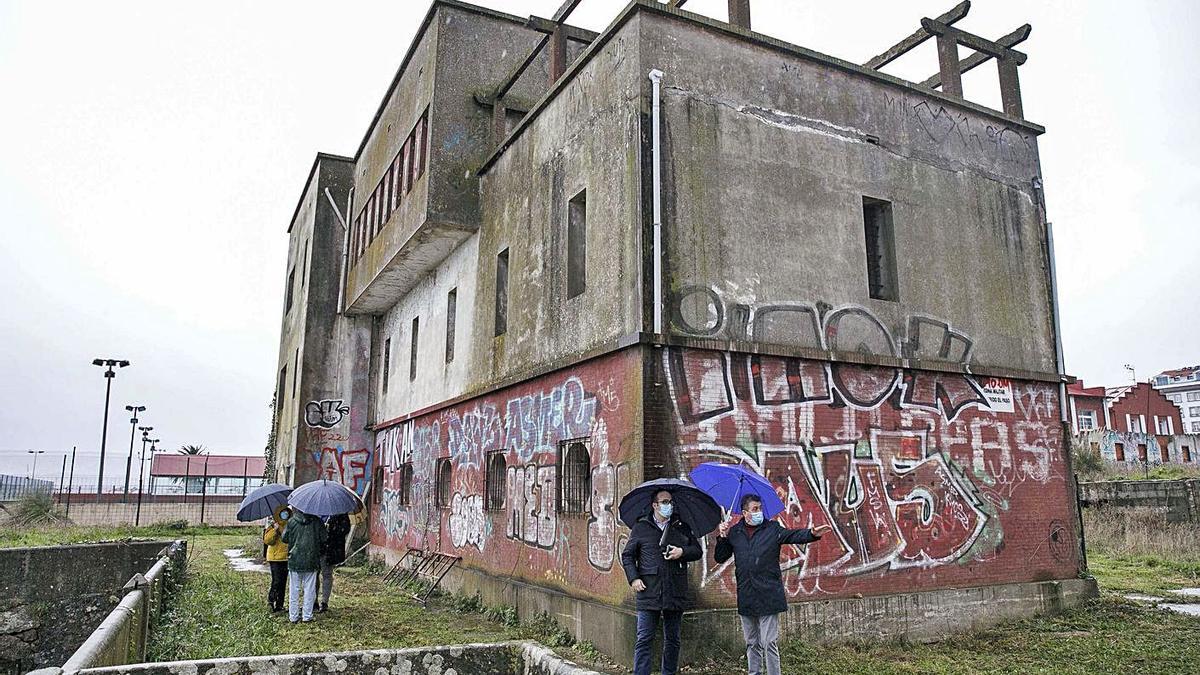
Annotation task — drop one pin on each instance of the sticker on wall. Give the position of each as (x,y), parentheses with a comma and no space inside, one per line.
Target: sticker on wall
(999,394)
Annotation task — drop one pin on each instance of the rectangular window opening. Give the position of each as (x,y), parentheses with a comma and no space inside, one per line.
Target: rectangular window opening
(574,476)
(577,244)
(295,372)
(387,362)
(1119,450)
(303,263)
(502,293)
(291,283)
(451,310)
(494,480)
(881,249)
(412,355)
(442,490)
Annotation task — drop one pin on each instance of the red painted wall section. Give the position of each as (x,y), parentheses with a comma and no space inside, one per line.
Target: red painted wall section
(928,480)
(529,538)
(1135,403)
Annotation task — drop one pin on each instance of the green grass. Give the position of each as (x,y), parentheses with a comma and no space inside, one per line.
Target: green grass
(224,613)
(1150,574)
(78,534)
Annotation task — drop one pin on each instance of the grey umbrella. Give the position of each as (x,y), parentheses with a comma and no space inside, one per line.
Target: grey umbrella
(325,498)
(262,502)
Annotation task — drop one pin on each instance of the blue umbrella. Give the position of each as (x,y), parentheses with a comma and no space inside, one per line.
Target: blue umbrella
(325,498)
(262,502)
(727,483)
(694,507)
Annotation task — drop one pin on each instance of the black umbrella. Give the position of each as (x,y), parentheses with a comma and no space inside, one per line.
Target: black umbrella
(694,507)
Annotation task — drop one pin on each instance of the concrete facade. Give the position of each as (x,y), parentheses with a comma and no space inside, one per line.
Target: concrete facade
(928,429)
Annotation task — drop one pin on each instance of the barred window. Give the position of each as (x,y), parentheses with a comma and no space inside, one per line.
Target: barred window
(442,493)
(574,476)
(406,474)
(497,469)
(377,484)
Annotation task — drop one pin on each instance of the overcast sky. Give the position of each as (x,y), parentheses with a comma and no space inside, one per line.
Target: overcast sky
(152,153)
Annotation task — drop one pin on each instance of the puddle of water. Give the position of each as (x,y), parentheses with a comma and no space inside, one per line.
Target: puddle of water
(239,562)
(1188,592)
(1190,610)
(1142,598)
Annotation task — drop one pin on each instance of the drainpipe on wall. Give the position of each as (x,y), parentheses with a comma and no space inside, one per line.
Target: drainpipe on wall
(655,112)
(1058,348)
(341,306)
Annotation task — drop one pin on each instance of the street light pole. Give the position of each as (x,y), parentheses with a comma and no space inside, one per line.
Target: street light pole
(137,518)
(33,473)
(109,374)
(135,409)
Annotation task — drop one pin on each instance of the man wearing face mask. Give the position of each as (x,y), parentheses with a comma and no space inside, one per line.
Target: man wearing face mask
(754,544)
(655,562)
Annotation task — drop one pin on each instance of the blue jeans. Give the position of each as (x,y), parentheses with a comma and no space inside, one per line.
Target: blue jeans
(647,625)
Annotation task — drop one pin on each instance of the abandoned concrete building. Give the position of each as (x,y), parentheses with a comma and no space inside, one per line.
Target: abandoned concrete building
(563,262)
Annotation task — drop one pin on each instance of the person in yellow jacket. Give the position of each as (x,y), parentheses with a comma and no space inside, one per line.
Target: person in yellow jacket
(277,557)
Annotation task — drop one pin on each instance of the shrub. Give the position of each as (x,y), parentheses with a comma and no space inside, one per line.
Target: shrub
(36,509)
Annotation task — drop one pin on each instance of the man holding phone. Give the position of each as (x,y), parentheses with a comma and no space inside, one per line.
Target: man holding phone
(655,562)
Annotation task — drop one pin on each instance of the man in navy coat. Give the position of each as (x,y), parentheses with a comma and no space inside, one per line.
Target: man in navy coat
(754,545)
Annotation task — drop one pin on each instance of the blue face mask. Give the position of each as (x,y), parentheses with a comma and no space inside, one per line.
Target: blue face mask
(665,510)
(755,518)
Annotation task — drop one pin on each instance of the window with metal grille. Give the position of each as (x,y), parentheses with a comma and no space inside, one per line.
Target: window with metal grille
(881,249)
(574,476)
(406,475)
(494,482)
(442,490)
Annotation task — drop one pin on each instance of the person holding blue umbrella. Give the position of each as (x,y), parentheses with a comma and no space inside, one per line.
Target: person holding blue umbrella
(754,544)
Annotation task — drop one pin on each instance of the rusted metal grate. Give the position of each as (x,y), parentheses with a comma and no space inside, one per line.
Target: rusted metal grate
(419,572)
(575,477)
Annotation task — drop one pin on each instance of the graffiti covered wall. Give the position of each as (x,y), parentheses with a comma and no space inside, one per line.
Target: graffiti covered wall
(530,536)
(928,479)
(330,449)
(1132,449)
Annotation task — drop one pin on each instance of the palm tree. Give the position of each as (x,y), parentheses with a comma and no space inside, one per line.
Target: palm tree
(192,450)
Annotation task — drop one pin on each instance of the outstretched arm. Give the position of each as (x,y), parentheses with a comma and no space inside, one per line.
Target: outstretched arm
(802,536)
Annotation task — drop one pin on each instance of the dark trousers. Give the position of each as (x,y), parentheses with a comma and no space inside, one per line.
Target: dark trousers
(647,626)
(278,592)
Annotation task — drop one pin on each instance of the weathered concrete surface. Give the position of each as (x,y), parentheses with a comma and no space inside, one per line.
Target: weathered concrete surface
(125,634)
(501,658)
(765,174)
(217,514)
(53,597)
(1177,500)
(926,616)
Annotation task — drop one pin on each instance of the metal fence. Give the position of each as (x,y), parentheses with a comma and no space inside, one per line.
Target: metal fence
(13,488)
(83,505)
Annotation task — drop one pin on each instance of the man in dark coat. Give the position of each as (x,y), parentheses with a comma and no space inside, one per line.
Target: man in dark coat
(655,561)
(332,555)
(754,544)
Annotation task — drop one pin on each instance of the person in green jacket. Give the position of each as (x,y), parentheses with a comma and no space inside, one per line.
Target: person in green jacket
(305,537)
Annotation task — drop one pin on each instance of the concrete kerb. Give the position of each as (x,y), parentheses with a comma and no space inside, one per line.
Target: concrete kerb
(520,657)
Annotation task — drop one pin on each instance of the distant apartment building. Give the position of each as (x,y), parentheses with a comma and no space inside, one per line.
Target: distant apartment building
(1182,387)
(563,262)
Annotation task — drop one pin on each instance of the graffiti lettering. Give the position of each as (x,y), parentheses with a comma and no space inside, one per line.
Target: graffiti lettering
(326,414)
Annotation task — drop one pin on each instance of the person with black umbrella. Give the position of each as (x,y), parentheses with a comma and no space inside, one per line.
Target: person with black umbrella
(655,560)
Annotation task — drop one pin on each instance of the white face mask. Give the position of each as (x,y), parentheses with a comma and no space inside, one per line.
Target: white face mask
(755,518)
(665,510)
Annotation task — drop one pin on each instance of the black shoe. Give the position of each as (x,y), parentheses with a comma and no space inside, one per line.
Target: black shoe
(322,608)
